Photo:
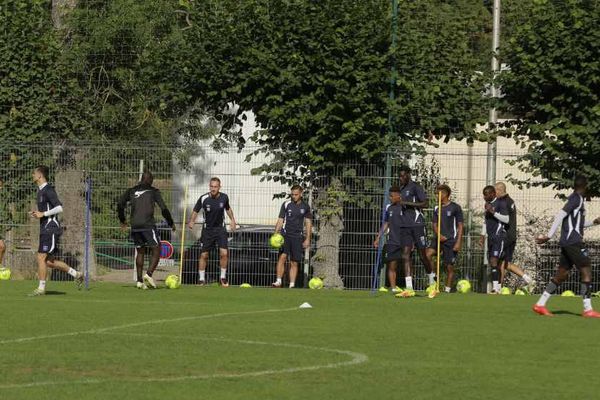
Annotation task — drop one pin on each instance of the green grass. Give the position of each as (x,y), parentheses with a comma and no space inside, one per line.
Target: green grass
(210,343)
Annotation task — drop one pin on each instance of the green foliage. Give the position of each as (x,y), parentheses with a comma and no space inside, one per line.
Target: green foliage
(553,88)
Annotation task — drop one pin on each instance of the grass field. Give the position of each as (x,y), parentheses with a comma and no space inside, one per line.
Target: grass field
(210,343)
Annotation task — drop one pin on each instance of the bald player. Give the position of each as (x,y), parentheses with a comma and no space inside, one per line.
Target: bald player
(511,239)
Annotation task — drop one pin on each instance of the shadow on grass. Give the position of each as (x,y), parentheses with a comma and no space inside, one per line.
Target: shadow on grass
(54,293)
(564,312)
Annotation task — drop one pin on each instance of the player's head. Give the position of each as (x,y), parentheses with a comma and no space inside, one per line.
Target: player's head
(580,184)
(214,186)
(445,191)
(40,174)
(296,193)
(489,193)
(147,178)
(404,174)
(500,189)
(394,194)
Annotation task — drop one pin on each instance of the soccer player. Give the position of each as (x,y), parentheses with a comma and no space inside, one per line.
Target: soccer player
(392,223)
(511,239)
(144,234)
(294,215)
(572,249)
(494,227)
(5,220)
(452,226)
(214,205)
(48,208)
(413,199)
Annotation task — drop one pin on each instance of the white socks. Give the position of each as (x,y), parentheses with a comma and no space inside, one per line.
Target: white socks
(587,304)
(292,285)
(431,277)
(544,298)
(42,285)
(496,286)
(202,275)
(447,289)
(72,272)
(223,273)
(408,280)
(527,278)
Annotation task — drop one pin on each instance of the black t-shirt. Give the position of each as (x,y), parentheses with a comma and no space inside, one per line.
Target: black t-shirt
(213,209)
(414,193)
(394,216)
(293,217)
(142,198)
(511,234)
(571,232)
(494,227)
(47,199)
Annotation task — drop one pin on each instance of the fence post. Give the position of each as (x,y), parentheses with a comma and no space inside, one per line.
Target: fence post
(88,233)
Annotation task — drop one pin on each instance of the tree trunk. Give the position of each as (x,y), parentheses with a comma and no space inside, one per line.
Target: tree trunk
(60,9)
(329,204)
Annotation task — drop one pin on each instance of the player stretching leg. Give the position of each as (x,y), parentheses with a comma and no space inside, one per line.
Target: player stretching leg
(48,208)
(572,250)
(511,239)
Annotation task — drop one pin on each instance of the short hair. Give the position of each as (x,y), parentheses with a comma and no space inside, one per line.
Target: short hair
(297,187)
(580,182)
(501,185)
(44,170)
(394,189)
(147,177)
(489,188)
(405,168)
(215,179)
(444,188)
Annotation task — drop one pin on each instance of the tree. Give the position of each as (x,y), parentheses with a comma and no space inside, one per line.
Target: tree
(553,88)
(316,76)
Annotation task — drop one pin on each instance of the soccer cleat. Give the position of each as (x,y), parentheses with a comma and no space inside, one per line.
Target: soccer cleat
(396,290)
(79,280)
(201,283)
(141,286)
(276,285)
(149,281)
(37,292)
(541,310)
(591,314)
(224,282)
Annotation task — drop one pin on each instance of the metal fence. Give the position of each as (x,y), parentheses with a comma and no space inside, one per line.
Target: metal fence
(89,178)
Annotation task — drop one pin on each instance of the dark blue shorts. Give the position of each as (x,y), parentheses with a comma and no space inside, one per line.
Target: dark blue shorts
(448,254)
(496,247)
(145,238)
(393,252)
(213,237)
(414,236)
(574,255)
(509,251)
(292,247)
(49,243)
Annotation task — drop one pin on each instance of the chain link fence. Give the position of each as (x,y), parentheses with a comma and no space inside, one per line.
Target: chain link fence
(89,179)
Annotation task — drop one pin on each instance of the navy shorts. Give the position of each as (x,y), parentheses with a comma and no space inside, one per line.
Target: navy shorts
(213,237)
(49,243)
(509,251)
(393,252)
(292,247)
(414,236)
(145,237)
(496,247)
(448,254)
(576,255)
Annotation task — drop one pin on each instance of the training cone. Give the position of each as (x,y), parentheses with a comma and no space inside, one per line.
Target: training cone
(305,305)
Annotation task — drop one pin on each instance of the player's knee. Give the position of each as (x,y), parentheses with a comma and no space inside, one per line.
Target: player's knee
(204,255)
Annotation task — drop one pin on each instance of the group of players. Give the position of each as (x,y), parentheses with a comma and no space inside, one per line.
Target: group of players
(403,221)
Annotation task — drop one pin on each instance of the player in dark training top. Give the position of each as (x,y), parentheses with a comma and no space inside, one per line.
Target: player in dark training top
(494,227)
(511,239)
(295,217)
(452,224)
(213,206)
(572,249)
(48,208)
(144,234)
(414,234)
(392,224)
